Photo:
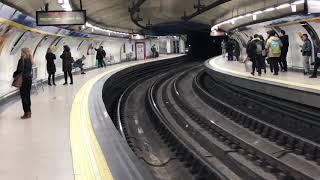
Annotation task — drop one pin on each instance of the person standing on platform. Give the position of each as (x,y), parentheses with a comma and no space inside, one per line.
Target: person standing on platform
(237,51)
(251,53)
(223,47)
(51,67)
(306,53)
(316,66)
(24,69)
(67,61)
(284,51)
(257,54)
(264,54)
(230,49)
(101,54)
(153,50)
(273,46)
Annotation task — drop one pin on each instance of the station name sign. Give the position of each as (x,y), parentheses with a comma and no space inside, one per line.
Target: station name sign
(60,18)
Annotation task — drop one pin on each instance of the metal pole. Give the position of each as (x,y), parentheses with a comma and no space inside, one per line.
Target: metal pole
(80,4)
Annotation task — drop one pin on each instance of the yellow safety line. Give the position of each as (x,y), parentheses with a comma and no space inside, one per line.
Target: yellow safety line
(283,82)
(21,26)
(89,162)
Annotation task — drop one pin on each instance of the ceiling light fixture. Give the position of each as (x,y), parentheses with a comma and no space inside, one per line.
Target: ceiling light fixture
(254,17)
(298,2)
(257,12)
(270,9)
(282,6)
(293,6)
(67,7)
(60,1)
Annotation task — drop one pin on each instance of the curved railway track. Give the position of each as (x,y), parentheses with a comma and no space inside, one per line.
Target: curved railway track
(184,124)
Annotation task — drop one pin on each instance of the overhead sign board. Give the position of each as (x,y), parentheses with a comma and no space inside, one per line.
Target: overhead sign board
(313,6)
(54,18)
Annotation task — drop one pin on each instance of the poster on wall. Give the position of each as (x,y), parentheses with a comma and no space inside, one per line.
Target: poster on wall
(20,41)
(140,50)
(5,31)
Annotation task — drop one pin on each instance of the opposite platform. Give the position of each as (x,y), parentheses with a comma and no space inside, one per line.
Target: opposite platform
(287,85)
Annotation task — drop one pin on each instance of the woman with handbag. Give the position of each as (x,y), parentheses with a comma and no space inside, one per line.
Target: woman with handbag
(67,61)
(23,80)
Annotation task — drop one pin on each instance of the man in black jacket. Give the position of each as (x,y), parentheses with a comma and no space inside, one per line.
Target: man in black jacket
(284,50)
(101,54)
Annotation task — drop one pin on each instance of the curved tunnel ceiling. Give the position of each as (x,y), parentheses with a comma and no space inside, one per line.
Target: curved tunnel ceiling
(115,15)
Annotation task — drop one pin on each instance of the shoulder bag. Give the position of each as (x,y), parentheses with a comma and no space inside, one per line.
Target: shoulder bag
(18,79)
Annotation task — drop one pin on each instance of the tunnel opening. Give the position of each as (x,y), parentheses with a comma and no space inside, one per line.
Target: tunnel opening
(203,46)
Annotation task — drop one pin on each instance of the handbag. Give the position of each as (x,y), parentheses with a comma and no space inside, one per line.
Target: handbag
(306,53)
(18,79)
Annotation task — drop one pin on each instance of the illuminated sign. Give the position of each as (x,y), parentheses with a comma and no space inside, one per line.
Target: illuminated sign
(313,6)
(54,18)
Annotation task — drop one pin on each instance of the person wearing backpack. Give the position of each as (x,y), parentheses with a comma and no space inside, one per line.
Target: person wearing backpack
(258,54)
(306,53)
(251,53)
(273,46)
(264,53)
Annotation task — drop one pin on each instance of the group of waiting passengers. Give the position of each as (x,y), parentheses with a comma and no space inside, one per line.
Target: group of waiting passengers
(275,49)
(24,70)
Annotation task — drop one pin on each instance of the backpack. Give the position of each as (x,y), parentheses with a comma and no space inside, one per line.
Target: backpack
(259,48)
(275,47)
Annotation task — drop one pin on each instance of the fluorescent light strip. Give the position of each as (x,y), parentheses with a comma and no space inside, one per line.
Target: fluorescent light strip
(67,7)
(283,6)
(254,14)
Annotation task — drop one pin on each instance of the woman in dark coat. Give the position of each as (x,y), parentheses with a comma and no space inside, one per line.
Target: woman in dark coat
(51,67)
(67,64)
(25,68)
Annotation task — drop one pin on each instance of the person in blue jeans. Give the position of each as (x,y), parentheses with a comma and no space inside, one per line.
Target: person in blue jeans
(306,51)
(79,63)
(101,54)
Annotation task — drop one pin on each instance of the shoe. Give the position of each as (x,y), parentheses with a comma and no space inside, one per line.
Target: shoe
(71,83)
(49,84)
(83,73)
(276,74)
(252,73)
(313,76)
(65,83)
(54,84)
(26,115)
(305,73)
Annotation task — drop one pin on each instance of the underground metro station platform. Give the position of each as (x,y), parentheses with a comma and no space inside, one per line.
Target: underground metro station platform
(163,90)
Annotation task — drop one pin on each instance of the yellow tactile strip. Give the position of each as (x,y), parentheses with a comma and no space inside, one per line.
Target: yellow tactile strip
(247,75)
(89,162)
